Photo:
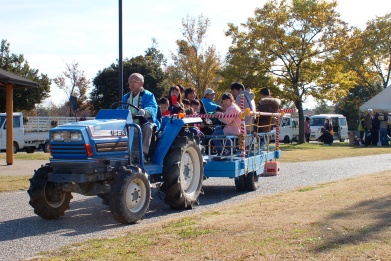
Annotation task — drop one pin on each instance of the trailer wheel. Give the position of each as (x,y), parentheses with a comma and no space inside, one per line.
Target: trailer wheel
(47,198)
(252,181)
(46,147)
(129,196)
(286,139)
(15,147)
(240,183)
(182,174)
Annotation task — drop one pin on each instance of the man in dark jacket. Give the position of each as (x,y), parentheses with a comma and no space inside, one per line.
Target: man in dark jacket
(375,129)
(368,127)
(326,137)
(266,104)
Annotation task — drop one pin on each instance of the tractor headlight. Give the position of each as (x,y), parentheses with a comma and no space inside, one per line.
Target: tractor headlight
(76,136)
(57,136)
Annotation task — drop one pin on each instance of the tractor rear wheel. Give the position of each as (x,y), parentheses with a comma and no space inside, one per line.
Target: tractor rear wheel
(47,198)
(129,196)
(182,174)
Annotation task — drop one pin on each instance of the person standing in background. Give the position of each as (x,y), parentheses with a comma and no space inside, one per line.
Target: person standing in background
(307,129)
(384,129)
(361,128)
(368,127)
(375,129)
(328,126)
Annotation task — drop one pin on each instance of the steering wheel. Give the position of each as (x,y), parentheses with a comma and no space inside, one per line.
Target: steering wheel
(115,105)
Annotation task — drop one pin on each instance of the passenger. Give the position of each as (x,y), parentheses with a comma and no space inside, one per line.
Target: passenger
(238,90)
(195,105)
(186,106)
(327,138)
(205,126)
(208,101)
(148,108)
(266,104)
(164,104)
(175,99)
(190,93)
(232,125)
(181,89)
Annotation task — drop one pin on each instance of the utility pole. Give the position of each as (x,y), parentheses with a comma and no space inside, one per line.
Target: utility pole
(120,64)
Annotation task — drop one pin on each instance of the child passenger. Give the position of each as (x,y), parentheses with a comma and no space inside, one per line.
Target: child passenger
(232,125)
(175,100)
(164,104)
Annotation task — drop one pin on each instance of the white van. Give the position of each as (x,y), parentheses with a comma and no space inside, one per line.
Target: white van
(289,129)
(340,126)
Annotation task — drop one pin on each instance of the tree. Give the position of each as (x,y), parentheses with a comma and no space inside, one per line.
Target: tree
(238,70)
(197,65)
(26,98)
(349,105)
(368,54)
(292,43)
(324,108)
(74,83)
(368,58)
(105,90)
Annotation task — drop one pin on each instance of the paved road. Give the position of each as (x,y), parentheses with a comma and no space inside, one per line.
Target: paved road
(23,234)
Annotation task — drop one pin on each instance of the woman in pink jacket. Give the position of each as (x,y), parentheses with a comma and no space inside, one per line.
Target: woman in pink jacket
(232,125)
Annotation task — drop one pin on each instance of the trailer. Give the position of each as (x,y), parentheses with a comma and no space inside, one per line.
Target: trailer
(31,133)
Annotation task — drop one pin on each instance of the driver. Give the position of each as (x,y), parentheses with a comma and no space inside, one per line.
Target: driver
(148,108)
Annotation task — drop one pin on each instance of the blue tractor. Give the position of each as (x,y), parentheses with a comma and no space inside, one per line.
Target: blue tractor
(104,157)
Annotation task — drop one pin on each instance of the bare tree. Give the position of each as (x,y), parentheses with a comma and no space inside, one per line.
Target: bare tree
(74,83)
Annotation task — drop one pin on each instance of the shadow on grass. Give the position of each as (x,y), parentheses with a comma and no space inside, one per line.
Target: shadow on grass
(376,216)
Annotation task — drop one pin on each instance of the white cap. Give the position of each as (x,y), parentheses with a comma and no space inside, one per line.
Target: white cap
(209,91)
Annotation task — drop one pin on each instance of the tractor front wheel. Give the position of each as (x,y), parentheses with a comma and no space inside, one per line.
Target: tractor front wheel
(129,196)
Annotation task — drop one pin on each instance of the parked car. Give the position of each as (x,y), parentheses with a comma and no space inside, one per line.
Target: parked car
(340,126)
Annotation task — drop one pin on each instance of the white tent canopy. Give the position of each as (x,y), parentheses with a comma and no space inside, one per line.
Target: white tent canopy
(380,102)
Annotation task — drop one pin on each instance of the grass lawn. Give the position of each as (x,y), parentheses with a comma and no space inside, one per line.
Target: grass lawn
(316,151)
(325,222)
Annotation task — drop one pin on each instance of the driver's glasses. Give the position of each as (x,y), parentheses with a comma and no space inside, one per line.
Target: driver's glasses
(135,82)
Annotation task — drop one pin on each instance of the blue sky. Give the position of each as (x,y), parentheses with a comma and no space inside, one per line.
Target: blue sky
(50,33)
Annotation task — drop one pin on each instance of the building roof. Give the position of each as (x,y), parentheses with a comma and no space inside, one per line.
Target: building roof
(16,80)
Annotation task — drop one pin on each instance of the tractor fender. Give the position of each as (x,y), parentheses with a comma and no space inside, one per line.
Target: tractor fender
(172,127)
